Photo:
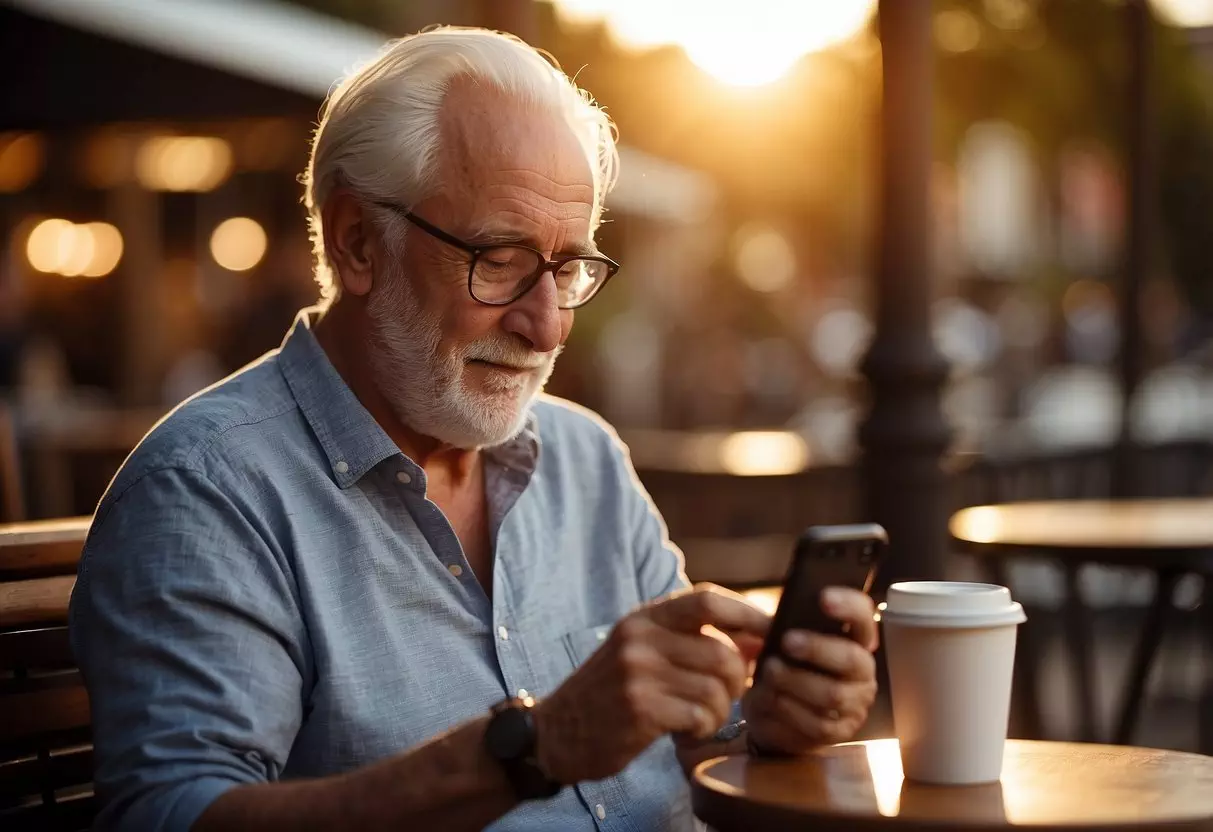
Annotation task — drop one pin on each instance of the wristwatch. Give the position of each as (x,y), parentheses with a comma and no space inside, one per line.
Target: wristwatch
(510,740)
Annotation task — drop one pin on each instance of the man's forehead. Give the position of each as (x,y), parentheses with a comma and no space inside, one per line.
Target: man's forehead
(488,134)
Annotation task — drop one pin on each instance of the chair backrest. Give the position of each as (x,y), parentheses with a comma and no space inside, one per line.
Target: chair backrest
(41,548)
(38,569)
(46,760)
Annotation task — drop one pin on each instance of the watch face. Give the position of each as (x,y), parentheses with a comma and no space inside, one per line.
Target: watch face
(508,736)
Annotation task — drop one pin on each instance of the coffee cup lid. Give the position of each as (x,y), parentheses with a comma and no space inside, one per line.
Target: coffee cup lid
(950,604)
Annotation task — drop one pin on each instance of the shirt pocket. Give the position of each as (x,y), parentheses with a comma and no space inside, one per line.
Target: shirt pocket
(581,644)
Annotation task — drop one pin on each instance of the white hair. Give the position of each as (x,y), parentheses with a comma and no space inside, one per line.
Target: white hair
(379,129)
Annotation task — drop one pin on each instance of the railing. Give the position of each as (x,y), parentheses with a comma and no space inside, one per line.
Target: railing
(738,530)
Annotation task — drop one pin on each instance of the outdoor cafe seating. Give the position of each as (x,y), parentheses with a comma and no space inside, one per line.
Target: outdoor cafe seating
(46,758)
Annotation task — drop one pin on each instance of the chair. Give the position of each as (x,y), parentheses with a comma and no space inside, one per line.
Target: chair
(45,757)
(46,761)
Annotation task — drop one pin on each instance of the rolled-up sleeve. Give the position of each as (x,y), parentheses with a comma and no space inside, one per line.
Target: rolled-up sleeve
(185,623)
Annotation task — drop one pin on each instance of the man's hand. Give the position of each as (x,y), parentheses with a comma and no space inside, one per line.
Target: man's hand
(657,673)
(794,710)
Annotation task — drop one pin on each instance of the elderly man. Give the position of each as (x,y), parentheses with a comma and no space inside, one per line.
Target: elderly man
(372,581)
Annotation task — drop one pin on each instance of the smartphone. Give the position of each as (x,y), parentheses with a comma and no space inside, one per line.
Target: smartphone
(825,556)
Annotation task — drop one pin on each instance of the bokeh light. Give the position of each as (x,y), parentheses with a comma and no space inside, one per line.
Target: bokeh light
(49,245)
(21,160)
(763,453)
(839,338)
(765,259)
(183,163)
(57,246)
(107,249)
(957,30)
(238,244)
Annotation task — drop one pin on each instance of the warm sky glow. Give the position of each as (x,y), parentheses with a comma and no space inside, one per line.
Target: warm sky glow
(741,43)
(1186,12)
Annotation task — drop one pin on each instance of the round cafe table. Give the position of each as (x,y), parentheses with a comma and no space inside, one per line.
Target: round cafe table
(858,787)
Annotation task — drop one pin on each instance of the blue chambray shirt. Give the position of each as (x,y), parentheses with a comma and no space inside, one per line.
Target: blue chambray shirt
(266,593)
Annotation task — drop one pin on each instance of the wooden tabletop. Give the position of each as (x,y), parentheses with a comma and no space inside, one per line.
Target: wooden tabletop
(1045,786)
(1111,530)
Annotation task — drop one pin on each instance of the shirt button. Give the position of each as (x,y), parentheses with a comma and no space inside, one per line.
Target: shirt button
(522,693)
(455,569)
(403,477)
(600,810)
(342,467)
(503,633)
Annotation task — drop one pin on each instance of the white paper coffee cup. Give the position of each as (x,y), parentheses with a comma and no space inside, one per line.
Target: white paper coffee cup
(951,654)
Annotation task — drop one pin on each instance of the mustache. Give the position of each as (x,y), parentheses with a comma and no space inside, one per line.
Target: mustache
(510,354)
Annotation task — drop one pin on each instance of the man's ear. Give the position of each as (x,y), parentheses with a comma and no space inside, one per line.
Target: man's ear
(347,242)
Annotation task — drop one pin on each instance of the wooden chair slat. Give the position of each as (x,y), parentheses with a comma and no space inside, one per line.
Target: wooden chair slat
(26,715)
(35,602)
(34,776)
(42,547)
(52,741)
(19,685)
(47,648)
(74,815)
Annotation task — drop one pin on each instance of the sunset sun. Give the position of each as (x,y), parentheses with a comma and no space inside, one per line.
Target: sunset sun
(743,44)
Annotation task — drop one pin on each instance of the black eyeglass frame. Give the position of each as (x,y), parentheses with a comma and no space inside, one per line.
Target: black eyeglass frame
(554,265)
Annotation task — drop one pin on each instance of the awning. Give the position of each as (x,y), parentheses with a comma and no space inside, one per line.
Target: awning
(85,62)
(282,45)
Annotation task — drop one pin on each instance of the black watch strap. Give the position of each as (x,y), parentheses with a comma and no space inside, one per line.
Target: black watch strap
(509,739)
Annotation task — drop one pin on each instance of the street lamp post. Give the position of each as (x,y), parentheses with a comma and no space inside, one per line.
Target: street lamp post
(1142,182)
(905,435)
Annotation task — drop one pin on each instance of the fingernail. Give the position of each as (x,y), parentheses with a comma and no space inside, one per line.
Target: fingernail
(795,641)
(833,597)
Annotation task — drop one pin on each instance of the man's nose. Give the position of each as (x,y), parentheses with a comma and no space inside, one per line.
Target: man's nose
(536,316)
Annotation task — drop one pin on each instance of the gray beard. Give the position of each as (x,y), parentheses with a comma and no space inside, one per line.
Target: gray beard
(425,388)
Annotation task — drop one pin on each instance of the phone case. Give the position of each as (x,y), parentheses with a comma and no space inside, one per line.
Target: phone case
(825,556)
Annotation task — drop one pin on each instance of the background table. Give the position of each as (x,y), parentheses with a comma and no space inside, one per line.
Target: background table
(1045,786)
(1171,537)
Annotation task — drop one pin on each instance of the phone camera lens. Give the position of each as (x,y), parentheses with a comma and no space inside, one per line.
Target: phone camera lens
(833,552)
(868,553)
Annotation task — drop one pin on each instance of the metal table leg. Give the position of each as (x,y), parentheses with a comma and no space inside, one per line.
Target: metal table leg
(1206,696)
(1077,622)
(1157,617)
(1025,691)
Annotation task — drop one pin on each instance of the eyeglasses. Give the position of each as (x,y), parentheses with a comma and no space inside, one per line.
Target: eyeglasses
(501,274)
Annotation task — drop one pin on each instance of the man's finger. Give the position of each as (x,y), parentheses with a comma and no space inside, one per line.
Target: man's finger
(822,694)
(674,715)
(713,656)
(701,689)
(856,610)
(835,655)
(811,725)
(708,604)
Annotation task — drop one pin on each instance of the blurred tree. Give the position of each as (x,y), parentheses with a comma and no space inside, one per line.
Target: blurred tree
(1059,70)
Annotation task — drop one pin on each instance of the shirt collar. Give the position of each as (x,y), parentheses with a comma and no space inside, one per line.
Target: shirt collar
(351,438)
